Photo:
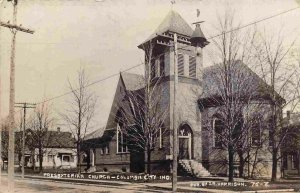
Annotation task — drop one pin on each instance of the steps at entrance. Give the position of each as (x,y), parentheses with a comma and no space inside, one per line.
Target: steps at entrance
(194,168)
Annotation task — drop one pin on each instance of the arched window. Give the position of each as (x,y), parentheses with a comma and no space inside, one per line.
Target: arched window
(160,138)
(218,128)
(185,130)
(121,141)
(256,132)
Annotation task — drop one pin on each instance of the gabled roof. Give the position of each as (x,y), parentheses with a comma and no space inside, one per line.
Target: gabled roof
(52,139)
(95,134)
(132,81)
(98,140)
(245,82)
(60,139)
(173,22)
(135,82)
(127,82)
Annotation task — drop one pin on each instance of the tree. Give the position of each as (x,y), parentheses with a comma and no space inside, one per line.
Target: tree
(143,112)
(256,119)
(18,139)
(233,88)
(80,111)
(4,140)
(38,136)
(295,53)
(283,78)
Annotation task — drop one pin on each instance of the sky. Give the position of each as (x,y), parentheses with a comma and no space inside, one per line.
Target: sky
(102,37)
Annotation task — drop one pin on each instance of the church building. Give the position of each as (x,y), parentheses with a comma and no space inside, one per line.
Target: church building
(188,104)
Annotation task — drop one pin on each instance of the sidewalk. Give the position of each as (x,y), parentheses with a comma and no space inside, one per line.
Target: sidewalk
(116,185)
(187,186)
(184,186)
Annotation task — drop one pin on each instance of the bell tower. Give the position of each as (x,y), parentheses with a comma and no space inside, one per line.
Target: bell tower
(174,53)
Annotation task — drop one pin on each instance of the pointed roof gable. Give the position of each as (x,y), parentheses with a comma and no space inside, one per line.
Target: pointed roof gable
(173,22)
(127,82)
(132,81)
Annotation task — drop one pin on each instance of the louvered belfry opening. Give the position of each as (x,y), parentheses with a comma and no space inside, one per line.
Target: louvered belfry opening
(180,64)
(162,65)
(190,44)
(192,66)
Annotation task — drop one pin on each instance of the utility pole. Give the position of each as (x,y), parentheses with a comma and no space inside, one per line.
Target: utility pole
(24,107)
(175,132)
(1,161)
(11,147)
(11,140)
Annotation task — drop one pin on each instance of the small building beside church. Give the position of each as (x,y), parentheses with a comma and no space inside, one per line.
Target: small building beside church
(59,152)
(291,147)
(199,149)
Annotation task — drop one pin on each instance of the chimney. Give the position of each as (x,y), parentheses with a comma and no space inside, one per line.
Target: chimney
(288,115)
(58,129)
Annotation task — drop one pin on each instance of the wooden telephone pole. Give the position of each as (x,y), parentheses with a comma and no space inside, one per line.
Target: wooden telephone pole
(24,107)
(1,161)
(175,132)
(11,147)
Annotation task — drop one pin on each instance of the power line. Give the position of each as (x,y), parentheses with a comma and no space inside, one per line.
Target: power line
(116,74)
(93,83)
(14,28)
(24,106)
(255,22)
(249,24)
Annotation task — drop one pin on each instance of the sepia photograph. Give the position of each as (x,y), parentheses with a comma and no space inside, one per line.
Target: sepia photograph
(101,96)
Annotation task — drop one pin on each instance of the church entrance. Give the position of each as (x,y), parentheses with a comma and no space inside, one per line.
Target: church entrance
(137,162)
(185,142)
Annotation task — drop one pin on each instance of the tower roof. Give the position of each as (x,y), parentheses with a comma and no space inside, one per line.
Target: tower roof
(198,37)
(173,22)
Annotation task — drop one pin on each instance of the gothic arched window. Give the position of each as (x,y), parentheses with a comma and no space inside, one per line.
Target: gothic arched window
(160,137)
(121,141)
(218,128)
(256,133)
